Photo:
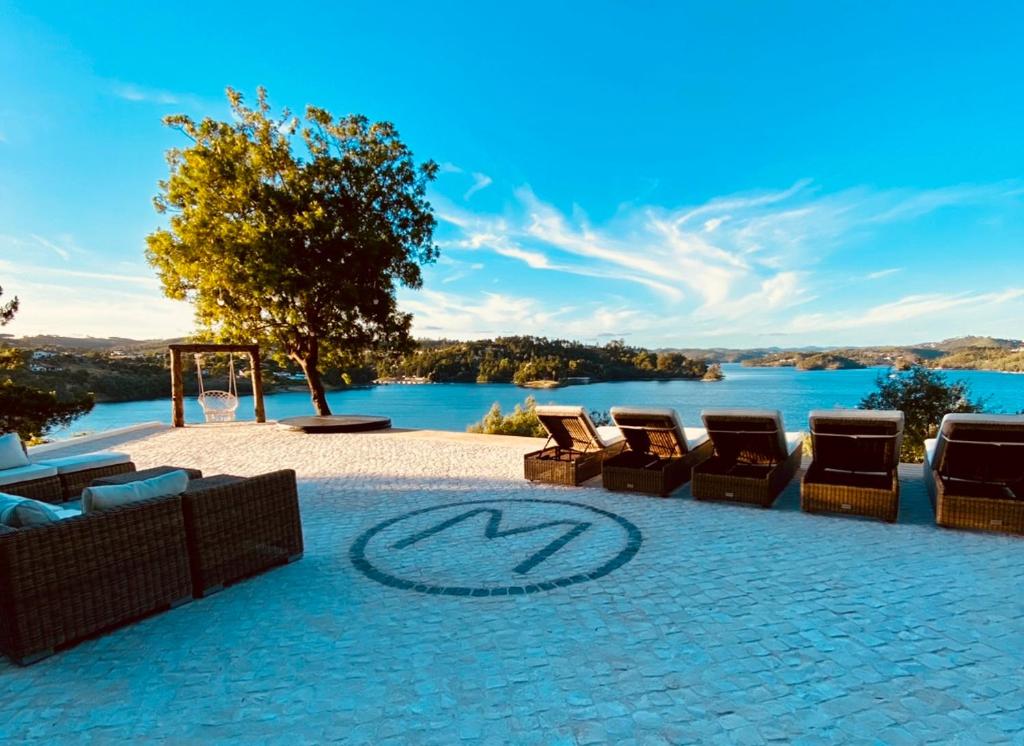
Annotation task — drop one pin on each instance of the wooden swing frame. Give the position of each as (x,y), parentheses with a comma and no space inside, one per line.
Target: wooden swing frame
(178,383)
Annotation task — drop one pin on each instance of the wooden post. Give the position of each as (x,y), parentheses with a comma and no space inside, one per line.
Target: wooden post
(177,390)
(257,384)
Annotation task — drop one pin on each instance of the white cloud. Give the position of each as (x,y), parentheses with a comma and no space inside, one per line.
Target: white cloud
(883,273)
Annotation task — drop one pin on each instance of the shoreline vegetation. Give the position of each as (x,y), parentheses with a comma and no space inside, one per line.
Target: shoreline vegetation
(119,370)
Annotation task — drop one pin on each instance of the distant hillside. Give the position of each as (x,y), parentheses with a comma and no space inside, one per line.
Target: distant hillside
(91,344)
(805,361)
(959,343)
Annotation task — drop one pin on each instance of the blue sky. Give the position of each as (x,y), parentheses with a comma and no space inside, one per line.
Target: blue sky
(678,174)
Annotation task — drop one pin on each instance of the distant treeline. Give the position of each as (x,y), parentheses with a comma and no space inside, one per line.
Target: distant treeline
(523,359)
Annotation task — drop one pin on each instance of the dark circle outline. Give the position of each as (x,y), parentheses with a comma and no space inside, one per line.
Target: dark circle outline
(357,555)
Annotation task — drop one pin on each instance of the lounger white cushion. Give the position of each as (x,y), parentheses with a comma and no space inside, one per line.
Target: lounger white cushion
(609,435)
(883,415)
(602,437)
(788,441)
(929,452)
(691,436)
(28,473)
(947,432)
(12,454)
(73,464)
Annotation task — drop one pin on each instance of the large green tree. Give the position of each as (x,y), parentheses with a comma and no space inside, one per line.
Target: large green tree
(26,410)
(295,234)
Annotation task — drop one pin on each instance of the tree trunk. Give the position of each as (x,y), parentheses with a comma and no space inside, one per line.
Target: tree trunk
(310,364)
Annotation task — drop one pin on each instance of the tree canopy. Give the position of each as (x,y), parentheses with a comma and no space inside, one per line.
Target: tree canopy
(294,234)
(26,410)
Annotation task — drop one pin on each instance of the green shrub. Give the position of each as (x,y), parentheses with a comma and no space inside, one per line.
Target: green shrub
(521,421)
(924,396)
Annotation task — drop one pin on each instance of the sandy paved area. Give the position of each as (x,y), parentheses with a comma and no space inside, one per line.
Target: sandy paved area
(443,599)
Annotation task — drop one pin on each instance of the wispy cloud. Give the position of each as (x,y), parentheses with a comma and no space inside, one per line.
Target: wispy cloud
(480,181)
(750,261)
(145,94)
(883,273)
(57,249)
(904,309)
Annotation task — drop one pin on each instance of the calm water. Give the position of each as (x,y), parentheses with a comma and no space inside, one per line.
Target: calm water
(453,406)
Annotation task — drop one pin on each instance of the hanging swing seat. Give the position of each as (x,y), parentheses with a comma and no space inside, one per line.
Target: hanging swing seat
(218,406)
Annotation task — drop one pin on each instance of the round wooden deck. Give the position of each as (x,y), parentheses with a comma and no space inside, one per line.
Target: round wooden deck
(338,423)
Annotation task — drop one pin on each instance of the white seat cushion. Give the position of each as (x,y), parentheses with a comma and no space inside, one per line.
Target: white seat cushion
(794,441)
(695,437)
(12,454)
(878,415)
(73,464)
(109,496)
(762,415)
(929,451)
(609,435)
(26,474)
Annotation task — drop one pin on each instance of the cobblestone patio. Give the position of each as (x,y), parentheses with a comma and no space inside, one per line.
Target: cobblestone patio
(685,622)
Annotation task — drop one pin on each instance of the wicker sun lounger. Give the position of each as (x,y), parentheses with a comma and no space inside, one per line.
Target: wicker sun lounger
(579,448)
(974,472)
(660,453)
(856,458)
(754,458)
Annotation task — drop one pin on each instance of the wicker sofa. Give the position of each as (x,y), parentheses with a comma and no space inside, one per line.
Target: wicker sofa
(68,580)
(65,581)
(59,480)
(239,526)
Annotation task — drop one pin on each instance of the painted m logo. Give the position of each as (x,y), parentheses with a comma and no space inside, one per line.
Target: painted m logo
(493,531)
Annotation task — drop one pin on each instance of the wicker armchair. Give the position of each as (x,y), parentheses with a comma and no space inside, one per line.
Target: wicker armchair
(974,472)
(239,526)
(68,580)
(854,469)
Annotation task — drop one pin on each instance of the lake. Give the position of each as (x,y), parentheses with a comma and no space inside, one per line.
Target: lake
(453,406)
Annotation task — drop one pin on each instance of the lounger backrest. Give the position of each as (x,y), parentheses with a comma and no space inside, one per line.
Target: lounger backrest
(751,436)
(654,431)
(981,448)
(856,440)
(570,427)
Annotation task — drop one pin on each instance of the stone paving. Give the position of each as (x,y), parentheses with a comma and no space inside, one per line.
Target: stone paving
(724,624)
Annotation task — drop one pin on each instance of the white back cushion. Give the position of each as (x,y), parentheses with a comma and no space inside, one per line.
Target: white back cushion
(18,512)
(109,496)
(11,453)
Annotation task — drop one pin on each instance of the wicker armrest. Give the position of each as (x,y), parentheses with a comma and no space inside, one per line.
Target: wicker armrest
(237,527)
(64,581)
